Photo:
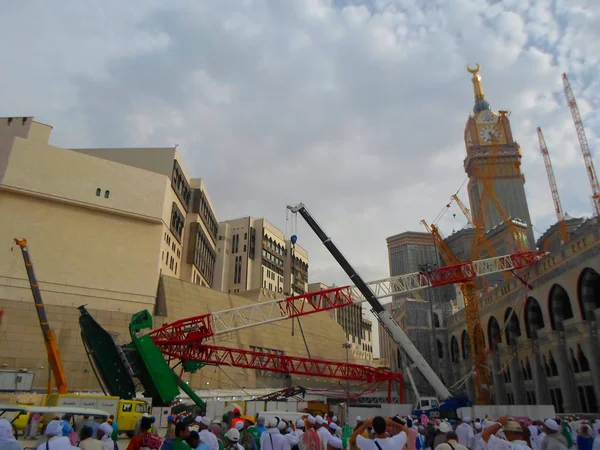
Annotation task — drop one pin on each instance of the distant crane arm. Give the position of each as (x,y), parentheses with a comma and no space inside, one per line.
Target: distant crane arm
(49,336)
(560,216)
(583,143)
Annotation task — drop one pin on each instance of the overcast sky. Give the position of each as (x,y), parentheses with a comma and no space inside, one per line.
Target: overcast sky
(356,108)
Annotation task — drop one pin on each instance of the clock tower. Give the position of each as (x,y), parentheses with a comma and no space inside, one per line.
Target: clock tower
(493,165)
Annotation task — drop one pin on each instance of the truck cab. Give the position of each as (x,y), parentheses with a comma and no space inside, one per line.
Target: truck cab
(424,404)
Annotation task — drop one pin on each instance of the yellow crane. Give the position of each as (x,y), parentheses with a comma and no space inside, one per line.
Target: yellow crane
(49,336)
(474,330)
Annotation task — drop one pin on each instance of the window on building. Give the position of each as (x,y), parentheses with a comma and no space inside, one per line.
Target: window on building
(98,192)
(106,194)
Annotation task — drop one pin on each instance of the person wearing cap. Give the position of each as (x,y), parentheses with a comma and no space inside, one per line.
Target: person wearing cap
(104,435)
(334,429)
(248,433)
(322,431)
(365,434)
(381,441)
(310,439)
(237,418)
(233,437)
(300,426)
(553,440)
(465,434)
(476,443)
(272,439)
(260,425)
(451,442)
(170,433)
(512,432)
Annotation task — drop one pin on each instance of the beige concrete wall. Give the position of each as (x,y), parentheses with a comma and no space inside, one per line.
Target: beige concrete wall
(157,160)
(21,343)
(79,255)
(25,127)
(67,176)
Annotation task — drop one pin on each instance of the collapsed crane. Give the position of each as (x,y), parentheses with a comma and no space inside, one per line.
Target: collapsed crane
(583,143)
(560,216)
(151,358)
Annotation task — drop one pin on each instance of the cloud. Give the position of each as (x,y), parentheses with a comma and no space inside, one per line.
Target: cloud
(356,108)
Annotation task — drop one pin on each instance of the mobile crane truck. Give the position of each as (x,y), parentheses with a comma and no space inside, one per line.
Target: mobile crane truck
(449,404)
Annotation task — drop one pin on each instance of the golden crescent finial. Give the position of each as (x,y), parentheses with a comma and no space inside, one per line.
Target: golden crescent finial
(475,70)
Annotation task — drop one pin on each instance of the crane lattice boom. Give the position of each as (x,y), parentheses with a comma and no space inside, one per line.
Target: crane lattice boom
(204,326)
(560,216)
(583,143)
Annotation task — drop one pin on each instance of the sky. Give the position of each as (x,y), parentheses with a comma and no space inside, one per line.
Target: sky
(356,108)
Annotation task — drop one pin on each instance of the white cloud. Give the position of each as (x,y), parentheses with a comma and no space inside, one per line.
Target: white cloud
(355,107)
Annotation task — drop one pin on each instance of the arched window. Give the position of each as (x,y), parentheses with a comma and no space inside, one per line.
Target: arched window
(106,194)
(98,192)
(560,307)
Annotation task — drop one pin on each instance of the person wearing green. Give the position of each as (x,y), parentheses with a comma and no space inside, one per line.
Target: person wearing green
(115,426)
(566,432)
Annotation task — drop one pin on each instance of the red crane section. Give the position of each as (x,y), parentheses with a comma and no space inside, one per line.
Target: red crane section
(198,328)
(562,227)
(583,143)
(250,359)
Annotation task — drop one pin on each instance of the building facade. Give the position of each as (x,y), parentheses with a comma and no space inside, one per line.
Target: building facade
(407,252)
(543,344)
(110,221)
(551,240)
(188,247)
(254,254)
(355,323)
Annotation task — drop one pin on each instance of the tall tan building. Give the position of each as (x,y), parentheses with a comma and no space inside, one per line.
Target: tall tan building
(110,221)
(357,326)
(188,248)
(253,253)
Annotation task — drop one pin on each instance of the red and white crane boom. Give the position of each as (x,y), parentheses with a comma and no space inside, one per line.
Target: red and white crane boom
(583,143)
(560,216)
(204,326)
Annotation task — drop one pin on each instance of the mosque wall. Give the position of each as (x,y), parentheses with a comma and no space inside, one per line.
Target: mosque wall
(542,343)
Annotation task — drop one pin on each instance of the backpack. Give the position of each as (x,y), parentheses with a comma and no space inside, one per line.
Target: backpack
(151,441)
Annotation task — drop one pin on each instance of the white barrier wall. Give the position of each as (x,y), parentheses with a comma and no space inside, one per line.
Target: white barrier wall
(385,410)
(255,407)
(540,412)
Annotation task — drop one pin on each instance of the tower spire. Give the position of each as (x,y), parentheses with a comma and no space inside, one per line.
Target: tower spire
(480,101)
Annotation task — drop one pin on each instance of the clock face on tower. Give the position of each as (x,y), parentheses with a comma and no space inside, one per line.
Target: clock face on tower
(491,134)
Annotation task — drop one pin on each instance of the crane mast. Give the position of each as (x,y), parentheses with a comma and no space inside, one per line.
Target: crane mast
(562,226)
(583,143)
(48,333)
(385,318)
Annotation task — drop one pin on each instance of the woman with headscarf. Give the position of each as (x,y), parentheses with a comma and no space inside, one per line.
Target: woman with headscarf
(56,441)
(585,438)
(7,438)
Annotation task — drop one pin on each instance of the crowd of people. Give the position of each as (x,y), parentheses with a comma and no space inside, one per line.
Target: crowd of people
(234,431)
(65,433)
(505,433)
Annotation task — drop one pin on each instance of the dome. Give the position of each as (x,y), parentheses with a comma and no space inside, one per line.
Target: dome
(481,105)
